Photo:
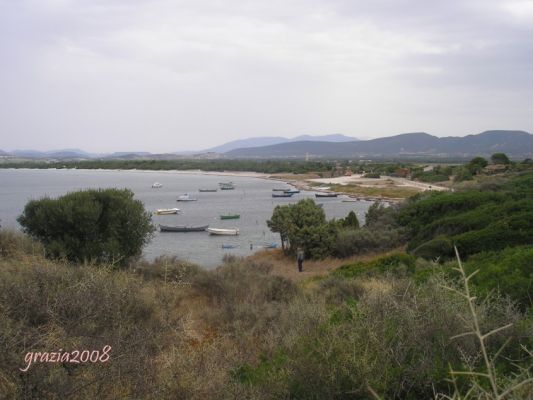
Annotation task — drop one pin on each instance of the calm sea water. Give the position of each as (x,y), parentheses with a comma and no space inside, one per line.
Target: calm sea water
(252,199)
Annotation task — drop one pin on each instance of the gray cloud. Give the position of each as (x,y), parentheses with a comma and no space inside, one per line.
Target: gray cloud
(165,75)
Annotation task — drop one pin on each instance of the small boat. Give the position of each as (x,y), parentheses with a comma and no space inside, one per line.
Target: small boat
(230,216)
(280,190)
(220,231)
(167,211)
(326,194)
(186,197)
(292,191)
(350,200)
(229,246)
(271,246)
(156,185)
(207,190)
(323,188)
(284,194)
(183,228)
(227,187)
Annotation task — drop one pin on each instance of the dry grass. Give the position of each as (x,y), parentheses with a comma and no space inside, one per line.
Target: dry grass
(286,266)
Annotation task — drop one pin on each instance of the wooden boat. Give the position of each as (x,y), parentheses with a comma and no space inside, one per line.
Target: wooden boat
(229,246)
(293,191)
(271,246)
(183,228)
(186,197)
(207,190)
(156,185)
(284,194)
(280,190)
(230,216)
(326,194)
(220,231)
(167,211)
(227,187)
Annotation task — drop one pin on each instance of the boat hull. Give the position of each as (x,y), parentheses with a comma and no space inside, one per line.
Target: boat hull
(223,232)
(183,228)
(326,194)
(236,216)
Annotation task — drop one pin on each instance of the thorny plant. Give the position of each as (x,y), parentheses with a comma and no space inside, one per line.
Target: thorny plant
(496,390)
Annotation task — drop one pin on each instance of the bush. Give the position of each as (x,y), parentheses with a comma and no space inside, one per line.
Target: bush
(104,225)
(509,271)
(359,241)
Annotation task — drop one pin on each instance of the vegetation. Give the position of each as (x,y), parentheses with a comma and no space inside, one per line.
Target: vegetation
(89,226)
(178,331)
(413,322)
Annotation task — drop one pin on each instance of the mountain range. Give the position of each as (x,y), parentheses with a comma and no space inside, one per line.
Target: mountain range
(407,145)
(418,144)
(273,140)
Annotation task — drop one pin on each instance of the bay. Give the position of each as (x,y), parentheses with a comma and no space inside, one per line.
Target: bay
(252,199)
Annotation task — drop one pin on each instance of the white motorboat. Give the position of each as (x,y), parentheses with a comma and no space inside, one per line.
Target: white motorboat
(186,197)
(166,211)
(220,231)
(156,185)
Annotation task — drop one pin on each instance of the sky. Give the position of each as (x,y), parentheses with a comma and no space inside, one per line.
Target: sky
(171,75)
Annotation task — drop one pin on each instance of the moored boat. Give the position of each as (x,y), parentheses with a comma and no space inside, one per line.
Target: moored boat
(284,194)
(230,216)
(326,194)
(186,197)
(156,185)
(293,191)
(207,190)
(183,228)
(220,231)
(280,190)
(166,211)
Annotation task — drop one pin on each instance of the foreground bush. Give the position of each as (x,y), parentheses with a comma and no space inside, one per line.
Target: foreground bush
(104,225)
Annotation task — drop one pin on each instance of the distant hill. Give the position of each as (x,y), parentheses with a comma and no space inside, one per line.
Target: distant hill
(419,144)
(272,140)
(64,153)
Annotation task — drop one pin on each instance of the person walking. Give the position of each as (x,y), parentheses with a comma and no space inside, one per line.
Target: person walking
(300,258)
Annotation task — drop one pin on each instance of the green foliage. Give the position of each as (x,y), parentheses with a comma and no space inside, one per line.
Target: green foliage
(463,174)
(500,158)
(364,240)
(399,264)
(509,271)
(380,215)
(104,225)
(476,165)
(350,221)
(304,225)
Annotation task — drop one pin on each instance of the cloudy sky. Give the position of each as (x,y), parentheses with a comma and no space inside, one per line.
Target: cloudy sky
(168,75)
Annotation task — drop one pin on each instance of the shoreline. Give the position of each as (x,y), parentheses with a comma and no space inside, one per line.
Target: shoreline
(298,184)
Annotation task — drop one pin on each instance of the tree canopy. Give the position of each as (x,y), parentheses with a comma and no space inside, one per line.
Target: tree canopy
(103,225)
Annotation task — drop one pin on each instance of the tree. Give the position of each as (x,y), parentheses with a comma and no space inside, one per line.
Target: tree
(500,158)
(102,225)
(350,221)
(302,224)
(476,164)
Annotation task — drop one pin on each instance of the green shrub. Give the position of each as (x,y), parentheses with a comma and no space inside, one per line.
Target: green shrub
(104,225)
(509,271)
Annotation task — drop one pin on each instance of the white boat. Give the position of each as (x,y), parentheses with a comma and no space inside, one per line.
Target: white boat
(220,231)
(166,211)
(156,185)
(186,197)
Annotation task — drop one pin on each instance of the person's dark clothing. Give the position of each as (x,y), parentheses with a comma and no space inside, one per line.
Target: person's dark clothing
(300,259)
